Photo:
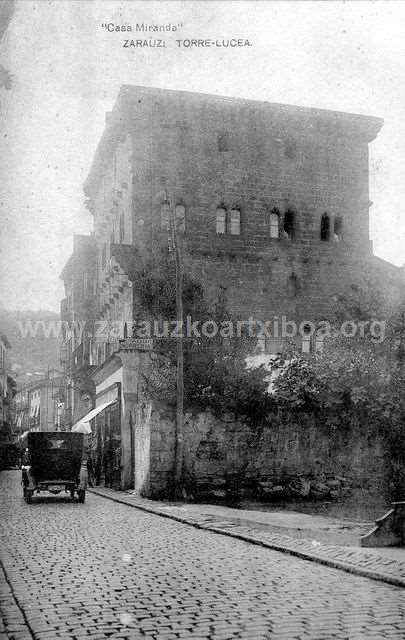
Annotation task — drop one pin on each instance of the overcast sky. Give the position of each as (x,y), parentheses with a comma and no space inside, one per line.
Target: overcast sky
(67,72)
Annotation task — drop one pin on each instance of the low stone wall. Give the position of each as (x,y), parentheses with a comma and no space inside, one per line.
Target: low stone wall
(292,458)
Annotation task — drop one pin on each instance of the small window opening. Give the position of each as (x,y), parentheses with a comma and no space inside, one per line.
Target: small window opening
(289,224)
(122,227)
(274,223)
(223,141)
(235,222)
(221,220)
(325,227)
(337,229)
(292,285)
(306,338)
(125,330)
(180,214)
(319,340)
(165,216)
(290,149)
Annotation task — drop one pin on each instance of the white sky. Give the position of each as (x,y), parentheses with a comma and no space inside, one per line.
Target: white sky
(347,56)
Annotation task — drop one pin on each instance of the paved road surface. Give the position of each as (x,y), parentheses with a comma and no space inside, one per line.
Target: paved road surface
(105,570)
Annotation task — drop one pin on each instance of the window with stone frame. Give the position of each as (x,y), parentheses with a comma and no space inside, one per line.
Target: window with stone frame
(337,228)
(306,339)
(220,220)
(325,227)
(275,223)
(289,224)
(234,222)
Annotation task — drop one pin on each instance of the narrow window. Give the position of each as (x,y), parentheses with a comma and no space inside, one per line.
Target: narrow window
(235,222)
(325,227)
(221,220)
(104,256)
(180,212)
(292,285)
(122,227)
(337,229)
(165,216)
(274,223)
(125,331)
(289,224)
(306,339)
(223,141)
(319,340)
(261,345)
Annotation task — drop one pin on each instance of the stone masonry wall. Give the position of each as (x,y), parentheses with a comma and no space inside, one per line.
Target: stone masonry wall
(308,163)
(225,459)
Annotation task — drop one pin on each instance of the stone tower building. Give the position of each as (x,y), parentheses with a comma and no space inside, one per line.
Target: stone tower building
(272,201)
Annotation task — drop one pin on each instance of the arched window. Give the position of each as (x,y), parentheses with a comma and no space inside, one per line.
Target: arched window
(235,222)
(337,229)
(180,214)
(221,219)
(165,216)
(125,331)
(289,224)
(274,223)
(325,227)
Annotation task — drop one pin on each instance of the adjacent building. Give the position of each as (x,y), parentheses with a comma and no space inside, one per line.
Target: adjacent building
(39,405)
(7,404)
(78,316)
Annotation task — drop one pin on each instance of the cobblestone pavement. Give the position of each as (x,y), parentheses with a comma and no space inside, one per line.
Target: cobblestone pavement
(104,570)
(387,565)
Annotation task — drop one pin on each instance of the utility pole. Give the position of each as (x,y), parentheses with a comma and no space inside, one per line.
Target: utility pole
(179,438)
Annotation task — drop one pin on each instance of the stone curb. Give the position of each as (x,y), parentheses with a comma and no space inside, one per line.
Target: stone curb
(288,545)
(13,610)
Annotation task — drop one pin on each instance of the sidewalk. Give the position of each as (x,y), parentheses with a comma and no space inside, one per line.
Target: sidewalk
(328,541)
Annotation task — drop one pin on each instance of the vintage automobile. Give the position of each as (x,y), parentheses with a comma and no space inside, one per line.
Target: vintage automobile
(54,461)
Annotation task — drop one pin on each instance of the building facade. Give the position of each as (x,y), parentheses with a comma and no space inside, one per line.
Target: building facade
(38,405)
(7,404)
(271,207)
(78,316)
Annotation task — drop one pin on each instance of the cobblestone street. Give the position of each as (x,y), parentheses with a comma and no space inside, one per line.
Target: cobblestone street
(105,570)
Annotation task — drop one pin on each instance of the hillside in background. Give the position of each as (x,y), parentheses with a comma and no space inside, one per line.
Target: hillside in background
(34,343)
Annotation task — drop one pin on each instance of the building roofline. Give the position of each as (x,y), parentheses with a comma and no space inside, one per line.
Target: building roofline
(276,106)
(368,126)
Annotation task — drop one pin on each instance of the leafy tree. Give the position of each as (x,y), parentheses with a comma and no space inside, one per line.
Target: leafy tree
(215,371)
